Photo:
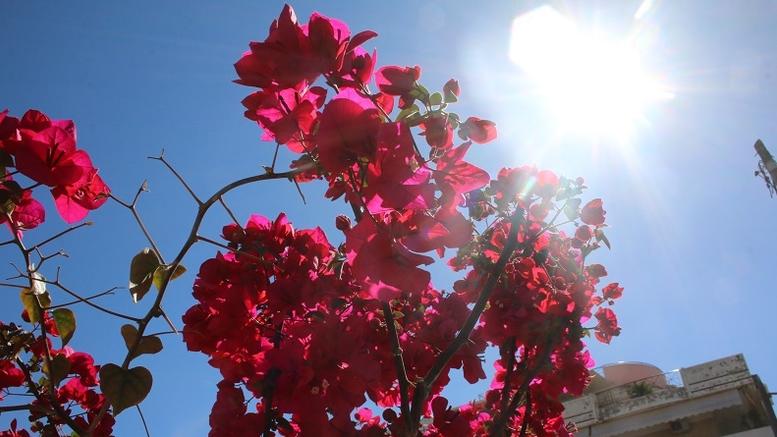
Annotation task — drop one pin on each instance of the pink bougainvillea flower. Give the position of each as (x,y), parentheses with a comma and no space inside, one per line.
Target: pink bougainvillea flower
(7,128)
(593,213)
(456,176)
(608,325)
(451,89)
(357,68)
(612,291)
(395,181)
(438,131)
(27,213)
(293,54)
(397,81)
(74,201)
(10,376)
(287,116)
(385,267)
(49,156)
(348,130)
(477,130)
(284,59)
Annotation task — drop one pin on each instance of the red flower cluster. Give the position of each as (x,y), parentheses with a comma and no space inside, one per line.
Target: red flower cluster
(272,313)
(74,376)
(45,151)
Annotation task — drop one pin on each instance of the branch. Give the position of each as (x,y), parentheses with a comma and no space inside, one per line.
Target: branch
(180,178)
(60,234)
(5,409)
(87,301)
(44,336)
(231,249)
(526,414)
(399,363)
(190,240)
(134,211)
(58,410)
(499,423)
(422,388)
(229,212)
(94,296)
(143,419)
(510,368)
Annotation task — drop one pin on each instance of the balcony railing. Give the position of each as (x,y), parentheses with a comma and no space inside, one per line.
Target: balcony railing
(654,390)
(691,382)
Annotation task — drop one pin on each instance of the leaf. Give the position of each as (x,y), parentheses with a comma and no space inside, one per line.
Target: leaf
(124,388)
(602,238)
(38,286)
(31,302)
(407,112)
(435,99)
(159,274)
(60,367)
(147,345)
(142,269)
(572,209)
(66,324)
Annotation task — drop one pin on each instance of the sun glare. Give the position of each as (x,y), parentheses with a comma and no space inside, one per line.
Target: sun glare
(594,85)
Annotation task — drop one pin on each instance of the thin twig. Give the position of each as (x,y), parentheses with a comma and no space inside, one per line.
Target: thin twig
(231,249)
(134,211)
(167,319)
(180,178)
(275,156)
(94,296)
(399,363)
(156,334)
(299,190)
(143,419)
(60,234)
(229,212)
(59,285)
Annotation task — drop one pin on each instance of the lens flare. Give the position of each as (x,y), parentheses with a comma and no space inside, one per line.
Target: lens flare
(593,85)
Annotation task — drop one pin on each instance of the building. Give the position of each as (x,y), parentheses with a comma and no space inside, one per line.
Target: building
(717,398)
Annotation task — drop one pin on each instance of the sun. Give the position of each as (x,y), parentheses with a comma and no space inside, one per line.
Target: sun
(593,85)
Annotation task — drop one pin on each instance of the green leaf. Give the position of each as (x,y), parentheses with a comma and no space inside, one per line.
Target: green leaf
(66,324)
(435,99)
(572,209)
(159,274)
(124,388)
(142,269)
(602,238)
(60,367)
(407,112)
(30,301)
(147,345)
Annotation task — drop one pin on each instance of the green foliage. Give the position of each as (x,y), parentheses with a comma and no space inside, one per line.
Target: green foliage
(124,388)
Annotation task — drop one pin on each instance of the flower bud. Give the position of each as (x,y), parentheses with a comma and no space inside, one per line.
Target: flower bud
(343,223)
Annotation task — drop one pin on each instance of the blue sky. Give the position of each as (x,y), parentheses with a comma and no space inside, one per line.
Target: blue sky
(693,232)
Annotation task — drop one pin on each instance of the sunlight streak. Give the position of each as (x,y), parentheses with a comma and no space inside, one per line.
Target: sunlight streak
(592,84)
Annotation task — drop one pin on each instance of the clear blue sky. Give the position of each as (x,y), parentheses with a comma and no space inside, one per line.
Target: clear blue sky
(694,233)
